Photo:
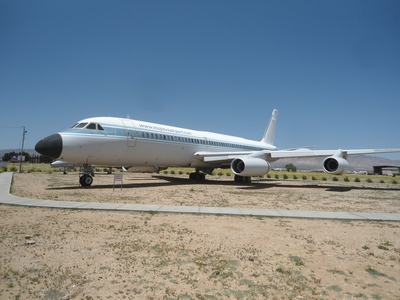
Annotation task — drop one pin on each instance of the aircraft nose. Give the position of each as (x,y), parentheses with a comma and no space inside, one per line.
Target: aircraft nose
(50,146)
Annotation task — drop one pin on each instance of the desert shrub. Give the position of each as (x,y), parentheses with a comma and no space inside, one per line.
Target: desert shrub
(180,172)
(357,179)
(394,181)
(297,260)
(283,271)
(294,177)
(346,179)
(314,178)
(268,175)
(304,177)
(374,272)
(323,178)
(285,176)
(166,172)
(276,176)
(13,169)
(228,174)
(381,181)
(369,180)
(334,178)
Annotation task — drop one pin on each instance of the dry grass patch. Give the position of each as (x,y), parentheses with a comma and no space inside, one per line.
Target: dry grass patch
(124,255)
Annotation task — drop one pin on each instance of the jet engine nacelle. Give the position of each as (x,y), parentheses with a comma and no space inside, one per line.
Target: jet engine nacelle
(335,165)
(250,166)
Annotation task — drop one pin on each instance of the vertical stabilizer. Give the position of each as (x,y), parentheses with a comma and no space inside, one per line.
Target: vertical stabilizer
(269,134)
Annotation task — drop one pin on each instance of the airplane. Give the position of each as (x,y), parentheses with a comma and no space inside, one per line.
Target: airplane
(64,165)
(139,146)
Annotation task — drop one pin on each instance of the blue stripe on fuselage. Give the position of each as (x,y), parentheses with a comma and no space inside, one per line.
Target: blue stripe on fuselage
(148,135)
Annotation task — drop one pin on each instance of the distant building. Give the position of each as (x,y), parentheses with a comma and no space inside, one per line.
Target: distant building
(17,159)
(387,170)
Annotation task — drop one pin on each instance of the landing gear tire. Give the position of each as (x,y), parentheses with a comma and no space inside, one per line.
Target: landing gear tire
(197,176)
(86,180)
(242,179)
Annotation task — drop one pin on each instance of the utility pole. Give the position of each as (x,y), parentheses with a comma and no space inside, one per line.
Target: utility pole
(22,148)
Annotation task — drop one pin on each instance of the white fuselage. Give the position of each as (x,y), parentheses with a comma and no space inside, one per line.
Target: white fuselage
(130,143)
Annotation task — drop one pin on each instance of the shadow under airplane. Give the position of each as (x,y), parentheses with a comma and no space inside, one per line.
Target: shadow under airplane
(255,185)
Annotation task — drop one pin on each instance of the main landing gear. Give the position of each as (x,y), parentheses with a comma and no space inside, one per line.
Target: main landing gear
(242,179)
(197,176)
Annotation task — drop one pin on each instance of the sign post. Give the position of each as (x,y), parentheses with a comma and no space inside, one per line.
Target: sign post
(22,149)
(118,177)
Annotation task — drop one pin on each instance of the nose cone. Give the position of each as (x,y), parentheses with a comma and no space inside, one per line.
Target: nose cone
(50,146)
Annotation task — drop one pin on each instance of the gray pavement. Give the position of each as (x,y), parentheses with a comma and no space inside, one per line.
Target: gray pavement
(9,199)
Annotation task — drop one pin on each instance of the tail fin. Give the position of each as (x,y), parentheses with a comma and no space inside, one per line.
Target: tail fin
(269,134)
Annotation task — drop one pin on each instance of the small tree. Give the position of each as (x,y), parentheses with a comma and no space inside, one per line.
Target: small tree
(291,167)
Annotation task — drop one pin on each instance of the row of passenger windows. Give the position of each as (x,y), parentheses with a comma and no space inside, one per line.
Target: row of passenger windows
(193,141)
(171,138)
(96,126)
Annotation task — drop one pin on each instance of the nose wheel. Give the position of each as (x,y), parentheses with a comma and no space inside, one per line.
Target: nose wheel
(87,175)
(86,180)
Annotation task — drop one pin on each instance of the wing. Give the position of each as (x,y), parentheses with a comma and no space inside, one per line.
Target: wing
(272,155)
(299,153)
(257,163)
(222,158)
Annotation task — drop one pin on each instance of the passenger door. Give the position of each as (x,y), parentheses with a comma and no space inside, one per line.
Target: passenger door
(131,133)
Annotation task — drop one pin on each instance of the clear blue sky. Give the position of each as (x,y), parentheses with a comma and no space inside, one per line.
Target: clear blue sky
(332,68)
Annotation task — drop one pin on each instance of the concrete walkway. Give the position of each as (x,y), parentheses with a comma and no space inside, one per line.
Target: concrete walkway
(7,198)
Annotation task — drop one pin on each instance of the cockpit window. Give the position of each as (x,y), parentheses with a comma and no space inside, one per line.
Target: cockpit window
(80,125)
(94,126)
(90,126)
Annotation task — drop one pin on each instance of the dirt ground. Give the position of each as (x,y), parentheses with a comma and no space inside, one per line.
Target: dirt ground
(74,254)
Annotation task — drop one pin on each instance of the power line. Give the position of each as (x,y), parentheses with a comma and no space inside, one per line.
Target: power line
(11,126)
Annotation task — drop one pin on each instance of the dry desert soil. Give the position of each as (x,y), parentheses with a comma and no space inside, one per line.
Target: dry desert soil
(79,254)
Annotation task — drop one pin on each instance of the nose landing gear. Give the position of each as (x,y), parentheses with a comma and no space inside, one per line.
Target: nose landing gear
(87,176)
(86,180)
